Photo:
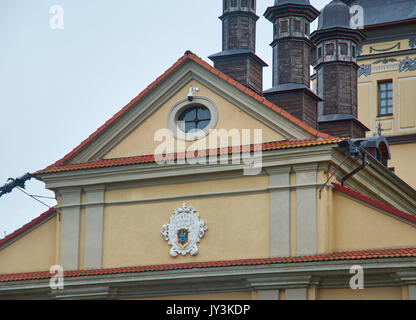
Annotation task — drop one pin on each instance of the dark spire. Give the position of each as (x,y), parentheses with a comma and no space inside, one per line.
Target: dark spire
(238,59)
(336,68)
(292,59)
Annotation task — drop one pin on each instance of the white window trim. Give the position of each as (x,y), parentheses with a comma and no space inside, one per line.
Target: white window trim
(180,107)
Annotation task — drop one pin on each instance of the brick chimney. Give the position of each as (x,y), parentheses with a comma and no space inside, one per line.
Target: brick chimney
(292,59)
(238,58)
(336,68)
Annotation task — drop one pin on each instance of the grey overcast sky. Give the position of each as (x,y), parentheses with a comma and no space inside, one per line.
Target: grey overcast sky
(59,86)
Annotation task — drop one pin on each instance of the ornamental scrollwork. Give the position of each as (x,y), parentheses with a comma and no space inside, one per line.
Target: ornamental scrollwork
(407,65)
(365,70)
(184,231)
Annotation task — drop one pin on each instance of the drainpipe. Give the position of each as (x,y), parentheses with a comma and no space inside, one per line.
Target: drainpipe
(352,173)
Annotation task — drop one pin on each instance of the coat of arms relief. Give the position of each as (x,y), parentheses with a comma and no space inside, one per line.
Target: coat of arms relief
(184,231)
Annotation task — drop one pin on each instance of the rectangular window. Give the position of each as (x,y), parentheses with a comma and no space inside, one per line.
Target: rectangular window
(329,49)
(343,49)
(244,3)
(385,98)
(284,27)
(233,3)
(307,29)
(297,26)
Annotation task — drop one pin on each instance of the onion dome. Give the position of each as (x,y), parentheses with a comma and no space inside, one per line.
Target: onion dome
(335,15)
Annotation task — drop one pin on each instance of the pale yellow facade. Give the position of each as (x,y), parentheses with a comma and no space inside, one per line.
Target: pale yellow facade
(35,251)
(403,119)
(142,140)
(357,227)
(112,217)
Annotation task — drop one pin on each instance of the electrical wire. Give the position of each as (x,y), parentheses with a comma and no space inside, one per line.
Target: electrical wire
(33,197)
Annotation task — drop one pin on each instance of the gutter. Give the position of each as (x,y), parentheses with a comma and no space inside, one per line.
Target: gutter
(354,172)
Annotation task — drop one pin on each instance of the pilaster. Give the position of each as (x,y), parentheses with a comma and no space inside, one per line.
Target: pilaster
(94,226)
(70,227)
(306,210)
(280,212)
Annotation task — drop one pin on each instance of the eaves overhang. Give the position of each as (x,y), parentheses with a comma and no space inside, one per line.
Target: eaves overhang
(389,267)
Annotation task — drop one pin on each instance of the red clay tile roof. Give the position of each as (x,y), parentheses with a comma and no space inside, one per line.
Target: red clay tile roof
(375,203)
(337,256)
(190,56)
(268,146)
(27,226)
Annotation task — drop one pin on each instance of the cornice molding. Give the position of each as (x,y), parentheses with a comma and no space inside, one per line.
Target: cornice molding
(271,159)
(335,274)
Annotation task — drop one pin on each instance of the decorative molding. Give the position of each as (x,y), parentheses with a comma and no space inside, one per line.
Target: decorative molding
(402,139)
(407,65)
(196,195)
(385,60)
(323,274)
(385,68)
(397,45)
(387,54)
(184,231)
(412,43)
(364,70)
(390,188)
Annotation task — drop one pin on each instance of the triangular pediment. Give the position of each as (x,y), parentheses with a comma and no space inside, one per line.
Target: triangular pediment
(131,132)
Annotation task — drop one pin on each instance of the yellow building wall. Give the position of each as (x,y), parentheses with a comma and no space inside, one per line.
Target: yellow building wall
(378,293)
(33,252)
(238,225)
(403,119)
(141,140)
(357,227)
(403,161)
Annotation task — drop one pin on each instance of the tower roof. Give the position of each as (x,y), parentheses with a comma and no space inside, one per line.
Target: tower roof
(283,8)
(385,11)
(335,15)
(280,2)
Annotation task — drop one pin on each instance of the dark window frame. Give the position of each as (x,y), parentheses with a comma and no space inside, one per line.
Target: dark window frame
(297,26)
(329,50)
(383,111)
(197,120)
(307,31)
(283,26)
(343,47)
